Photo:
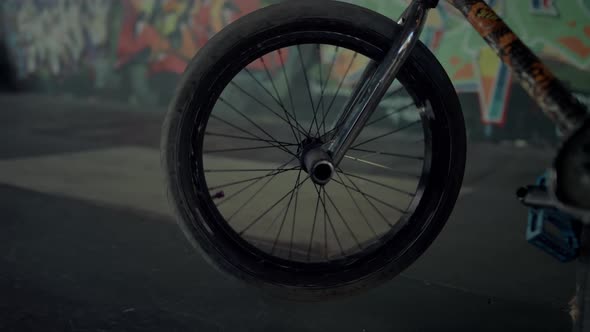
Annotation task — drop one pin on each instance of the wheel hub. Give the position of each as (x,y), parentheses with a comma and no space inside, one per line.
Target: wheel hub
(315,161)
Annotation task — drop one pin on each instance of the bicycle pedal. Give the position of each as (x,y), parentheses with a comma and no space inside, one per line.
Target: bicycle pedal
(552,230)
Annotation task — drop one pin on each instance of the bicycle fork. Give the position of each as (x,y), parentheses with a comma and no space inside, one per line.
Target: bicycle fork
(321,161)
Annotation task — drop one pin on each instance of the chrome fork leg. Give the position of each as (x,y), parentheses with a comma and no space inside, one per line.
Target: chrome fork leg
(354,97)
(364,101)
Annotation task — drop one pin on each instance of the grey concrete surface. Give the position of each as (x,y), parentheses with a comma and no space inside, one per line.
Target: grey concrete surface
(87,242)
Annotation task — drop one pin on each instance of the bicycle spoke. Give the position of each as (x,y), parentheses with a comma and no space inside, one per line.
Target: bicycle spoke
(387,134)
(265,89)
(300,129)
(394,92)
(358,207)
(325,223)
(253,196)
(391,170)
(370,196)
(321,100)
(391,154)
(262,86)
(340,85)
(332,227)
(294,219)
(380,184)
(249,133)
(246,138)
(243,149)
(269,209)
(308,90)
(289,91)
(272,82)
(344,221)
(295,189)
(326,84)
(250,120)
(239,170)
(368,201)
(366,155)
(253,183)
(274,220)
(264,213)
(252,179)
(399,110)
(315,217)
(327,216)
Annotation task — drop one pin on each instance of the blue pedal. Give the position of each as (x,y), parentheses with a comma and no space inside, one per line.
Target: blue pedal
(552,231)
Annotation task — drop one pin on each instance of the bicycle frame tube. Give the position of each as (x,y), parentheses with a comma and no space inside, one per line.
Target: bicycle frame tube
(379,77)
(556,101)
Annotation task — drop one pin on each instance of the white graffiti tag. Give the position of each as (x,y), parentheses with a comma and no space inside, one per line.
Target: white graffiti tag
(58,33)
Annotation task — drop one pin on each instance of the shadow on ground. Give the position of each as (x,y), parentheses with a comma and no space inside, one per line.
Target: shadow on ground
(71,261)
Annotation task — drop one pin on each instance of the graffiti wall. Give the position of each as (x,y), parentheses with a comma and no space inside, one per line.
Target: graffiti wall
(123,49)
(483,81)
(135,50)
(55,36)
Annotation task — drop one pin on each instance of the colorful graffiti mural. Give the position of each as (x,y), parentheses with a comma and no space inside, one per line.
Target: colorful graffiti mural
(159,37)
(172,31)
(121,45)
(135,50)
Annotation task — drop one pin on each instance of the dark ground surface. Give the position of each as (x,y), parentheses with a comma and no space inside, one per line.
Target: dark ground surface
(73,265)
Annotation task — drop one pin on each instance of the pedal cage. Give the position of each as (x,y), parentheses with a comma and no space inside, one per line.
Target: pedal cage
(553,231)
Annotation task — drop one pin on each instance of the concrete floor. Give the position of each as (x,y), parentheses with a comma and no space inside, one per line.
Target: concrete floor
(87,243)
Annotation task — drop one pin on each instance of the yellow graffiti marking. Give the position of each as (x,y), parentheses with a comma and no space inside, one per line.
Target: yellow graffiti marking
(486,14)
(483,19)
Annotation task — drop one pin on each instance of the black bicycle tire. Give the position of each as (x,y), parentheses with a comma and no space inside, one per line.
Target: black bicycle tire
(355,20)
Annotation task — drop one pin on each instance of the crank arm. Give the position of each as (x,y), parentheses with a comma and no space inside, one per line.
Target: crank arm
(545,197)
(568,182)
(369,92)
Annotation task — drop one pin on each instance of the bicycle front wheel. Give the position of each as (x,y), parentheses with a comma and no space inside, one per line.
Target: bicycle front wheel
(260,93)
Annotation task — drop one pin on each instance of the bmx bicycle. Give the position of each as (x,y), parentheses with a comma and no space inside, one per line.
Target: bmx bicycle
(286,184)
